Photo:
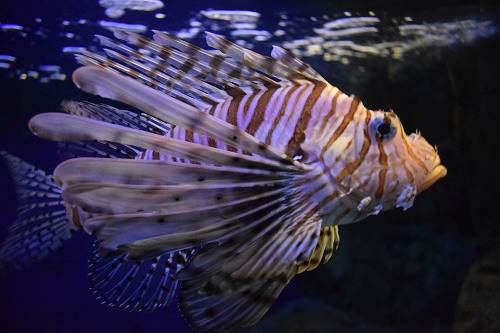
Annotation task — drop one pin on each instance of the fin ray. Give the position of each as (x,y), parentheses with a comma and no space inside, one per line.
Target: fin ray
(155,172)
(252,59)
(230,311)
(295,63)
(217,64)
(148,234)
(62,127)
(119,198)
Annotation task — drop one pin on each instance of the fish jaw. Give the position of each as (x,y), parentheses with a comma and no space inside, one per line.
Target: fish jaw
(429,156)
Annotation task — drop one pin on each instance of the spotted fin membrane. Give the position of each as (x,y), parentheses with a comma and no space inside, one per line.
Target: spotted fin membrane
(136,285)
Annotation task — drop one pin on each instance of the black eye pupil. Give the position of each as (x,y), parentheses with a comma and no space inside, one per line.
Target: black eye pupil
(384,129)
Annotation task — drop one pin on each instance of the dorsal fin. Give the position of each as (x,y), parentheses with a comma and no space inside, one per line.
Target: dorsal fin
(295,63)
(268,65)
(107,84)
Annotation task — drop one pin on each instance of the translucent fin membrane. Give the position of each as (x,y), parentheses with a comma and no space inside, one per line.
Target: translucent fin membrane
(121,198)
(113,115)
(109,114)
(204,311)
(148,234)
(95,148)
(222,290)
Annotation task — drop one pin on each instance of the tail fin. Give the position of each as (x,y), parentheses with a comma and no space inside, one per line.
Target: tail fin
(42,225)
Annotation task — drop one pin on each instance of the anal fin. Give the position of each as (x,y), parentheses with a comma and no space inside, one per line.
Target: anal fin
(135,285)
(327,241)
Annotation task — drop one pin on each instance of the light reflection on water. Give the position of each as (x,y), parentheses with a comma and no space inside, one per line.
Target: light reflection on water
(344,37)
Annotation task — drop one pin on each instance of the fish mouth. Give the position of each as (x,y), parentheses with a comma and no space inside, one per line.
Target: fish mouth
(437,173)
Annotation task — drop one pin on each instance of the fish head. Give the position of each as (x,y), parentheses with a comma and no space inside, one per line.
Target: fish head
(395,166)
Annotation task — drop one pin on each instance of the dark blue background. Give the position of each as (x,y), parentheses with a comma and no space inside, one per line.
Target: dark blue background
(53,295)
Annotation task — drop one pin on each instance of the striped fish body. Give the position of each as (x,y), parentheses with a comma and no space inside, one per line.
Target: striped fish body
(316,123)
(264,160)
(280,117)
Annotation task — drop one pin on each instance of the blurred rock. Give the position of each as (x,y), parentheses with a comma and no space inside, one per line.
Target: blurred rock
(316,316)
(478,307)
(309,316)
(392,274)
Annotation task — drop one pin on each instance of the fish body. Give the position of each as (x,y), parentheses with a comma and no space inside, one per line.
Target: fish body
(263,160)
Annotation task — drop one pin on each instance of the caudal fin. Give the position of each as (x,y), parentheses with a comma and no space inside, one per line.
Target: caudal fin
(42,225)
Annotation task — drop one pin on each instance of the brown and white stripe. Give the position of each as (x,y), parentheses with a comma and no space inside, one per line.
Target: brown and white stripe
(295,109)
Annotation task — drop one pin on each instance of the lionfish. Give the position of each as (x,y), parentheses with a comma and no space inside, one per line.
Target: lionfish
(243,168)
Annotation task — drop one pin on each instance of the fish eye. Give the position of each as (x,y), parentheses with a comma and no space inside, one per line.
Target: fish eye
(383,129)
